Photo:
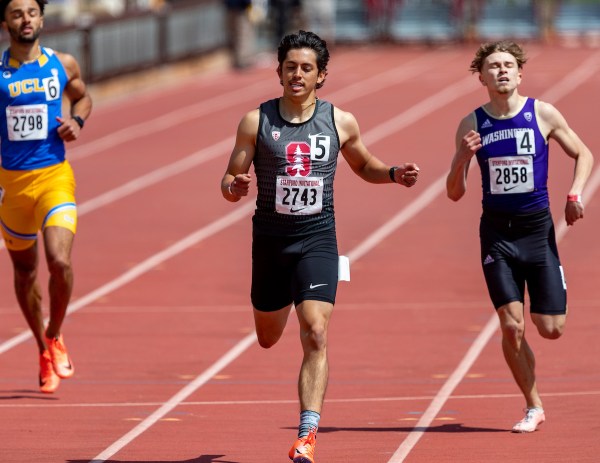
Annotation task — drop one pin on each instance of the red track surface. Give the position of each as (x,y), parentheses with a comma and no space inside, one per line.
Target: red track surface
(162,287)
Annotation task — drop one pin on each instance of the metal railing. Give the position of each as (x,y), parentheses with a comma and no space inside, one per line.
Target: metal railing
(140,40)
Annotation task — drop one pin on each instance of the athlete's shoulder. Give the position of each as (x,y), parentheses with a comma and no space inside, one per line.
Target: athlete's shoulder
(547,113)
(64,58)
(543,107)
(253,114)
(249,122)
(468,123)
(343,117)
(68,62)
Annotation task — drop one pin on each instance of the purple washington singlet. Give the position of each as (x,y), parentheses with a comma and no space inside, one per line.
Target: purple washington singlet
(513,162)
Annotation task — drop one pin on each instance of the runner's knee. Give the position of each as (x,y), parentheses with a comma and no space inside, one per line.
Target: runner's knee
(315,337)
(267,340)
(549,327)
(58,265)
(553,333)
(513,332)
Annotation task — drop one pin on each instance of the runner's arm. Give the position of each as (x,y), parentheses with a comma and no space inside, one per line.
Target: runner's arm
(569,141)
(467,141)
(78,96)
(237,179)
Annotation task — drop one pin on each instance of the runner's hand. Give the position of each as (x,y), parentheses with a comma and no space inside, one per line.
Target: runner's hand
(407,174)
(573,212)
(68,129)
(240,185)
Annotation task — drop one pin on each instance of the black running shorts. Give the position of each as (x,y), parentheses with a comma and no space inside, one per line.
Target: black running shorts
(518,251)
(293,269)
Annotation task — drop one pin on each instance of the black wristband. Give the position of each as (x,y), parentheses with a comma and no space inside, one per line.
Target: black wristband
(392,170)
(79,120)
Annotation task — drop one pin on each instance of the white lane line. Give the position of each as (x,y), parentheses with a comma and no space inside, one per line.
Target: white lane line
(422,109)
(446,391)
(229,357)
(399,219)
(157,176)
(571,82)
(385,79)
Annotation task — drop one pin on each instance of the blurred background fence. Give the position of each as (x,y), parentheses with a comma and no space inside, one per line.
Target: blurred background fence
(112,37)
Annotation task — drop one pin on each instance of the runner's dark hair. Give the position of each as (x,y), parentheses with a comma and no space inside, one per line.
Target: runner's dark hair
(4,4)
(304,39)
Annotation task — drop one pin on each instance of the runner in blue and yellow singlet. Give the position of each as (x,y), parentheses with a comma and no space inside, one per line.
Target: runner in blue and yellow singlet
(37,186)
(509,137)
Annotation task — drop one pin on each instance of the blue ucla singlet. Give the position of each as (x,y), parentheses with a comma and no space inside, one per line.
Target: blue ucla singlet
(513,162)
(31,100)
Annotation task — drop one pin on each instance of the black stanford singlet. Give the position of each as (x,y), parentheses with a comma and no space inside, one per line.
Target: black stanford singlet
(295,167)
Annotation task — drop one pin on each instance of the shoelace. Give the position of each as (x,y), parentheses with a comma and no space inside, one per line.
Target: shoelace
(58,345)
(307,444)
(530,414)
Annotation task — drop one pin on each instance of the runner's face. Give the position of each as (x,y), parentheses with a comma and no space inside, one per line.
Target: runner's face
(500,73)
(23,20)
(299,72)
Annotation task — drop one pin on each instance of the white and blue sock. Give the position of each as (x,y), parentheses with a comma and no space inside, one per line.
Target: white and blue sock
(308,420)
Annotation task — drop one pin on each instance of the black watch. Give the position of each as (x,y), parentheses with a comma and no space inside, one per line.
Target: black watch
(79,120)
